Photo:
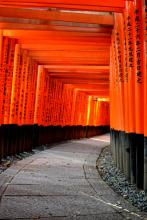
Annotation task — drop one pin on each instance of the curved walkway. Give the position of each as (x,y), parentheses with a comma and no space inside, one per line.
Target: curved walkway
(62,183)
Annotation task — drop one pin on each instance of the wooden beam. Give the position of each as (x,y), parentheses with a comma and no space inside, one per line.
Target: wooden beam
(81,76)
(92,86)
(100,94)
(67,7)
(53,37)
(75,70)
(76,67)
(71,62)
(46,35)
(65,47)
(71,54)
(84,42)
(24,26)
(80,59)
(100,5)
(83,81)
(87,72)
(47,15)
(92,91)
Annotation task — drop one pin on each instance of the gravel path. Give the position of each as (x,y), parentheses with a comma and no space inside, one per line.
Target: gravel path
(62,183)
(116,179)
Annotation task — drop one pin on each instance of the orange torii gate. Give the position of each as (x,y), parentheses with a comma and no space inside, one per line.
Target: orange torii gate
(57,61)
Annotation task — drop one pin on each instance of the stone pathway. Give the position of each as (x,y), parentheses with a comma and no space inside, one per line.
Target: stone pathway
(62,183)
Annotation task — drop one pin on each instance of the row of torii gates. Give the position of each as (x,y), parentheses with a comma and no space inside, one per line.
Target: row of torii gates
(65,65)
